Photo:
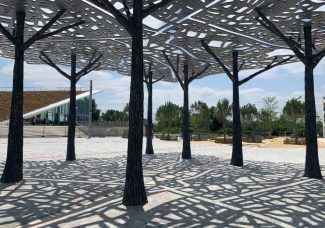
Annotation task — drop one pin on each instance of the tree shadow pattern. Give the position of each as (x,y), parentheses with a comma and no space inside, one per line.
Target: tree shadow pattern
(204,191)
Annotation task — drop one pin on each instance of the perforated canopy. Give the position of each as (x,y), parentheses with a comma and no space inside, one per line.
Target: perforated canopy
(177,29)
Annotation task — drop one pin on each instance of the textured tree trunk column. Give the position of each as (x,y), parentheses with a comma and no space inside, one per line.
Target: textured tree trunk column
(237,150)
(13,171)
(312,168)
(186,153)
(71,154)
(134,189)
(149,147)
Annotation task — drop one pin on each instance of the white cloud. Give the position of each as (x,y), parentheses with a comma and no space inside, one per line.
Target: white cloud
(38,75)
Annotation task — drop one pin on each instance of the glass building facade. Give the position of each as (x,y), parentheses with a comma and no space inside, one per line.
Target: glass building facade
(59,115)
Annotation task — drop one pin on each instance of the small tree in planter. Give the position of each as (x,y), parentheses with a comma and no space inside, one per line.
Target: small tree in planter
(223,112)
(168,116)
(294,112)
(200,117)
(268,114)
(249,115)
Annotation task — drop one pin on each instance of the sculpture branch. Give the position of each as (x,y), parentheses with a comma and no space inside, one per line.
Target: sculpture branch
(241,66)
(7,34)
(268,67)
(170,63)
(61,30)
(200,73)
(276,32)
(265,22)
(146,75)
(273,61)
(173,69)
(89,66)
(107,5)
(318,57)
(127,10)
(49,62)
(158,80)
(150,66)
(46,27)
(209,50)
(193,73)
(92,57)
(293,45)
(95,67)
(177,63)
(151,9)
(297,43)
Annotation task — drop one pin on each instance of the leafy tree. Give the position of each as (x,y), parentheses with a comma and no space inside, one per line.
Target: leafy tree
(110,115)
(114,115)
(215,124)
(95,111)
(249,115)
(222,113)
(268,114)
(168,116)
(294,111)
(200,116)
(282,124)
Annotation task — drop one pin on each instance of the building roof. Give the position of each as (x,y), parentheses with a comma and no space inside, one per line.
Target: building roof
(57,104)
(35,101)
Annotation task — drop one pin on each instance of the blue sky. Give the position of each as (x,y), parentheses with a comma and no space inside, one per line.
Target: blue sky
(284,82)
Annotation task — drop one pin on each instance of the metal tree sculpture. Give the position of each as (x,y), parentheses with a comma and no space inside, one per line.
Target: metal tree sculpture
(13,171)
(237,149)
(310,59)
(149,82)
(185,82)
(74,77)
(134,190)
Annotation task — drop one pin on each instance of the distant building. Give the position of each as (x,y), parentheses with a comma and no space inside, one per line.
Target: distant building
(47,107)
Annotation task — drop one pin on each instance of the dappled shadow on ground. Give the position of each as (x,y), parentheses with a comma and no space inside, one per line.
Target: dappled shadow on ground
(201,192)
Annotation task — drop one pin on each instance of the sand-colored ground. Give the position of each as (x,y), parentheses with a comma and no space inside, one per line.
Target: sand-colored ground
(268,143)
(279,142)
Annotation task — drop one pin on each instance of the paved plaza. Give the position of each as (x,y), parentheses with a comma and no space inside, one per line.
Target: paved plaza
(269,191)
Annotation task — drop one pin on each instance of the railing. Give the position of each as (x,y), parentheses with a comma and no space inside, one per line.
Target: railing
(36,131)
(104,129)
(106,123)
(78,89)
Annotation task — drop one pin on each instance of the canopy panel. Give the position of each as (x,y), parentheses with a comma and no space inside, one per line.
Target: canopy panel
(177,29)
